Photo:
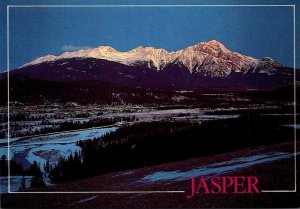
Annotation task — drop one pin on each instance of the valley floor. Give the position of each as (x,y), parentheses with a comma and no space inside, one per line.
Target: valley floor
(273,165)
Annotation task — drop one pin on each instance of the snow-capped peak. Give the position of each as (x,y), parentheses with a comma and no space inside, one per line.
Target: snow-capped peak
(39,60)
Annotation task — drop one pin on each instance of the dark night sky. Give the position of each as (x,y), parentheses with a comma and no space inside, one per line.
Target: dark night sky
(253,31)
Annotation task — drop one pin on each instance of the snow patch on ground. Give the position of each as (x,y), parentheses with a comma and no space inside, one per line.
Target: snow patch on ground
(5,140)
(206,117)
(297,126)
(86,200)
(51,146)
(216,168)
(15,183)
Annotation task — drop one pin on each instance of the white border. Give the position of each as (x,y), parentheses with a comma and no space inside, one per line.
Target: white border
(153,6)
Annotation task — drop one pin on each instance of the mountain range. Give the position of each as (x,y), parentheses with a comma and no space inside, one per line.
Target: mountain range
(210,58)
(204,65)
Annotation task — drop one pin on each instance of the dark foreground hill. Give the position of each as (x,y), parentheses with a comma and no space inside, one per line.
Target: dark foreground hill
(275,171)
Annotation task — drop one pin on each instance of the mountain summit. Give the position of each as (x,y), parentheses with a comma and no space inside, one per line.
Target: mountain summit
(210,59)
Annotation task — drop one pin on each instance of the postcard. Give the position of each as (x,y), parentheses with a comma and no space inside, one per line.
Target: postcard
(148,104)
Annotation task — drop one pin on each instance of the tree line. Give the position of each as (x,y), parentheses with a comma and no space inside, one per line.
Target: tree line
(72,125)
